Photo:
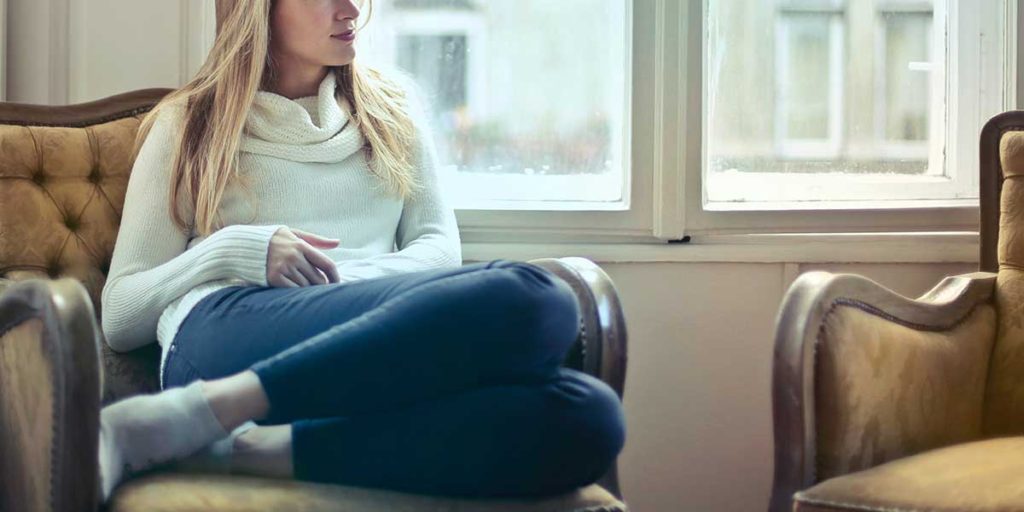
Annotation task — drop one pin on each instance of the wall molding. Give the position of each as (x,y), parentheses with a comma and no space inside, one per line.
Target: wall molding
(199,22)
(3,50)
(61,34)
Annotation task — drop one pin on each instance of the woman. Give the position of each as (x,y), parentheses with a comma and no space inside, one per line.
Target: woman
(285,238)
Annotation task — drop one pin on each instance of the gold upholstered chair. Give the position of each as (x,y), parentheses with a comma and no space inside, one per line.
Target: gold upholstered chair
(883,402)
(63,175)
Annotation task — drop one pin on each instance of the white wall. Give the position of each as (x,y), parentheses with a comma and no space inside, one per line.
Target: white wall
(72,51)
(698,383)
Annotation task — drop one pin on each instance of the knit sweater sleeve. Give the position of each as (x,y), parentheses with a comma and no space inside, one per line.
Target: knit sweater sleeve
(152,264)
(427,236)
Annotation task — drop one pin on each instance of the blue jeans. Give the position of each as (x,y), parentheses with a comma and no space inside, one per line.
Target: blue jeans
(445,382)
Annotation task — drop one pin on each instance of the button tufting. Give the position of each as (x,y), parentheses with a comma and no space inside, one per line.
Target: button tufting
(39,178)
(53,270)
(71,223)
(94,176)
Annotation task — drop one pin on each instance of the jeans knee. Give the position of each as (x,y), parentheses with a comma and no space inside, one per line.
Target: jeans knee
(543,301)
(593,427)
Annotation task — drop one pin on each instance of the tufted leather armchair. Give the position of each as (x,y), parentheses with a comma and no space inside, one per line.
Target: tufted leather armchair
(884,402)
(63,176)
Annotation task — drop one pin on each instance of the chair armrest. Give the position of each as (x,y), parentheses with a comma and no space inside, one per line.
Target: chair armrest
(50,381)
(602,342)
(600,349)
(862,375)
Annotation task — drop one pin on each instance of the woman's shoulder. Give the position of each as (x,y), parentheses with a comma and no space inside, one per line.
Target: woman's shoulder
(169,112)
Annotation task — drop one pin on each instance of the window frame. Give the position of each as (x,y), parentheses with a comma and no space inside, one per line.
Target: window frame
(666,199)
(703,219)
(652,198)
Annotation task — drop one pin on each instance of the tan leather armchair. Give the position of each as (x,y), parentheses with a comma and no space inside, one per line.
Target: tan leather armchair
(884,402)
(63,176)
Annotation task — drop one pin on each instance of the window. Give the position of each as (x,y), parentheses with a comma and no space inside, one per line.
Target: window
(648,120)
(855,113)
(528,97)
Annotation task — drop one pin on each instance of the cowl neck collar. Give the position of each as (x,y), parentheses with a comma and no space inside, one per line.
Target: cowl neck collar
(307,129)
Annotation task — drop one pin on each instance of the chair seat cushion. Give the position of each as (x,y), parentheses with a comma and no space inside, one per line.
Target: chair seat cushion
(179,492)
(980,476)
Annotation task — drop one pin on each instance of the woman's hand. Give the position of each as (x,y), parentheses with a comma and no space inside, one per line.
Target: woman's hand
(294,260)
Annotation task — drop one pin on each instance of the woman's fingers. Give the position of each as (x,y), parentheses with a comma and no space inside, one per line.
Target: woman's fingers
(316,240)
(296,277)
(322,262)
(311,273)
(284,282)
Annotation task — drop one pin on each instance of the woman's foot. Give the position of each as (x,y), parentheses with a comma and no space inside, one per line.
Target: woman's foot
(141,432)
(249,450)
(264,451)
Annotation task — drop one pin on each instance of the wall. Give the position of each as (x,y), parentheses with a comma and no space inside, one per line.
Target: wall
(698,383)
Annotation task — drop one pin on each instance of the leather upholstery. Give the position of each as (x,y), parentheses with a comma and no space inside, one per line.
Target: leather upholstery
(184,493)
(1004,400)
(982,476)
(61,195)
(25,377)
(878,399)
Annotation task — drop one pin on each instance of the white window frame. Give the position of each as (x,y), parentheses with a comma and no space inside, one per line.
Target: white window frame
(666,200)
(703,219)
(651,206)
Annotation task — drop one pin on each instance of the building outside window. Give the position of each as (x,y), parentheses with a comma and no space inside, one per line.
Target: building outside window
(528,97)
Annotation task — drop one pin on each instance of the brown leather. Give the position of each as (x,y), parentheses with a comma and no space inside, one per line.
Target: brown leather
(81,115)
(1004,400)
(982,476)
(61,194)
(992,182)
(49,397)
(886,390)
(171,492)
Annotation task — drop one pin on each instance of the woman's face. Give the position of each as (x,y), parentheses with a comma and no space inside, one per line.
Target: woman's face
(314,32)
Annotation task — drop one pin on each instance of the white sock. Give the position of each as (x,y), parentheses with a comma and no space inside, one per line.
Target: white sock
(215,458)
(145,431)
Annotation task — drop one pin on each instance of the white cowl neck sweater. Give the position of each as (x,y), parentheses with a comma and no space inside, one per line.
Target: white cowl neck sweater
(303,167)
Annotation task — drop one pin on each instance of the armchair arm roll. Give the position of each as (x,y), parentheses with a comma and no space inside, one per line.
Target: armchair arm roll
(863,375)
(601,348)
(50,381)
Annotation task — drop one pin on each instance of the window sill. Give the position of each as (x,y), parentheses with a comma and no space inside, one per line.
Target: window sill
(935,247)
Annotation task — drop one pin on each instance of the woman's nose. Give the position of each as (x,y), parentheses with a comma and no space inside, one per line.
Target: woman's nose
(350,9)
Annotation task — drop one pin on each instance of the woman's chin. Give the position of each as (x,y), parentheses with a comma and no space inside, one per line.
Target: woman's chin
(338,62)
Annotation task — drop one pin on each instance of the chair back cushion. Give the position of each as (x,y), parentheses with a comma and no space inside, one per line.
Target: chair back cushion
(1004,398)
(63,176)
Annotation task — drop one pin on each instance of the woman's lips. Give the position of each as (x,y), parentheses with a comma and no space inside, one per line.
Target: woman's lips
(345,36)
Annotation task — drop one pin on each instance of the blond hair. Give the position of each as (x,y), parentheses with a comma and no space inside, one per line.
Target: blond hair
(217,101)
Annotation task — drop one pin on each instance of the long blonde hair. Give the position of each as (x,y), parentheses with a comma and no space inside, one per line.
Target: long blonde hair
(217,101)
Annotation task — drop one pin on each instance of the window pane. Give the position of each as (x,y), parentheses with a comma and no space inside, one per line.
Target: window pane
(907,38)
(804,96)
(439,65)
(528,97)
(804,66)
